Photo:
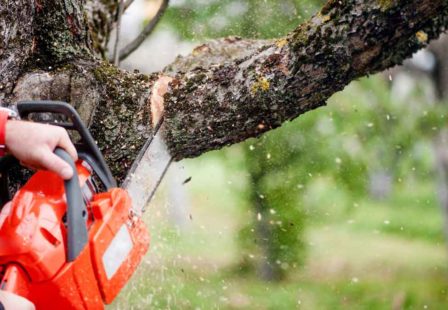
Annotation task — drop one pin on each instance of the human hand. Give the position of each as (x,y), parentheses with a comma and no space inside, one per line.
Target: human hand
(33,145)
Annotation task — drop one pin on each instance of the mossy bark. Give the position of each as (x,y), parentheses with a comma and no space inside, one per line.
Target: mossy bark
(94,89)
(225,92)
(221,104)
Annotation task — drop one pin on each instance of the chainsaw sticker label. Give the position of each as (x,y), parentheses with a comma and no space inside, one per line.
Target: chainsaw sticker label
(118,250)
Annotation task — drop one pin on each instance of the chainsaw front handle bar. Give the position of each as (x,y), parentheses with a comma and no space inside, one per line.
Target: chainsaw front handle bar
(86,147)
(77,236)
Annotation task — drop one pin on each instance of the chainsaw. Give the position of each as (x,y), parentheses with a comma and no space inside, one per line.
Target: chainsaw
(75,244)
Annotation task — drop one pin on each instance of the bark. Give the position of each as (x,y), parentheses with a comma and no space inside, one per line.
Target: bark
(94,89)
(16,43)
(55,49)
(281,80)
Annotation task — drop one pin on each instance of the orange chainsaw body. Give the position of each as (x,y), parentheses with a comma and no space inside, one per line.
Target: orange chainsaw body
(33,244)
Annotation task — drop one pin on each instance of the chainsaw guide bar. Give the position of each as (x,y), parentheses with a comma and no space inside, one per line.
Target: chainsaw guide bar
(148,170)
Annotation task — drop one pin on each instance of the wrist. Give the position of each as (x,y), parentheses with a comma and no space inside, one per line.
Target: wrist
(5,115)
(3,120)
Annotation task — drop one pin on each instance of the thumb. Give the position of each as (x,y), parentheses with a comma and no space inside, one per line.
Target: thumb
(54,163)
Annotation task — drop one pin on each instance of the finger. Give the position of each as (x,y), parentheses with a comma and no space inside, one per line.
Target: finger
(65,143)
(51,162)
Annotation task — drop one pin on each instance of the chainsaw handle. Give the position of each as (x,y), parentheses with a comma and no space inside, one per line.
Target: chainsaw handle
(87,148)
(77,237)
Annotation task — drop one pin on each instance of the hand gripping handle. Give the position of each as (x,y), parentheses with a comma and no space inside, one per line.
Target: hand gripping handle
(77,237)
(86,147)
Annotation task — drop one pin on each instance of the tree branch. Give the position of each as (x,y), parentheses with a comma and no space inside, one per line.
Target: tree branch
(215,53)
(211,107)
(149,28)
(227,90)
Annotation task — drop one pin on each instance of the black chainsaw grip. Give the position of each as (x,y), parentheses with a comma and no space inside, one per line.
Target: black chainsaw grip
(77,237)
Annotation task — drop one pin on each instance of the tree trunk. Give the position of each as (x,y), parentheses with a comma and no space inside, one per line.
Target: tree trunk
(440,78)
(55,49)
(267,268)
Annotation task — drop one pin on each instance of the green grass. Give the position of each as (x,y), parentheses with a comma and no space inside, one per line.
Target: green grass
(375,255)
(343,271)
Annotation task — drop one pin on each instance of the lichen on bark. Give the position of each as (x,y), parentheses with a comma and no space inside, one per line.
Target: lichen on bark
(122,129)
(60,32)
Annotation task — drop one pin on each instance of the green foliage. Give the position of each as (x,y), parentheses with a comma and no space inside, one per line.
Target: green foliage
(353,261)
(324,162)
(277,225)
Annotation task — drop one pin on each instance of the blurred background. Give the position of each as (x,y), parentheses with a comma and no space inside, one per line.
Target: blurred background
(344,208)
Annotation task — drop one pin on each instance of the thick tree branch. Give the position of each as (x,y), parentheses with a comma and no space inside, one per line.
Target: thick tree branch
(223,93)
(208,108)
(215,53)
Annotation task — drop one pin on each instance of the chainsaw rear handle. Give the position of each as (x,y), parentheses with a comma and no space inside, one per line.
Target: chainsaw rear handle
(77,236)
(87,148)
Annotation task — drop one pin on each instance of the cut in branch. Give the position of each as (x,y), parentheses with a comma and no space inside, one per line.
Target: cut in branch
(149,28)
